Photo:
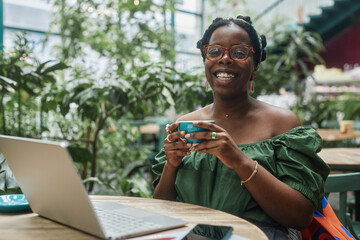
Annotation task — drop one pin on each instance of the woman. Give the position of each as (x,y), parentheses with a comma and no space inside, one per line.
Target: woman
(258,162)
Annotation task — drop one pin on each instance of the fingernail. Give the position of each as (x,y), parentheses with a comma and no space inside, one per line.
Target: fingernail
(187,135)
(189,145)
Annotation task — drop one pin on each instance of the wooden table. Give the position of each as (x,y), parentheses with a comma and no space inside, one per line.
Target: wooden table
(31,226)
(341,159)
(344,159)
(150,128)
(336,135)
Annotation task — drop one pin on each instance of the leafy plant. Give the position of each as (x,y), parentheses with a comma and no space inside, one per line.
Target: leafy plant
(124,97)
(289,60)
(314,112)
(351,106)
(23,98)
(23,80)
(114,78)
(190,92)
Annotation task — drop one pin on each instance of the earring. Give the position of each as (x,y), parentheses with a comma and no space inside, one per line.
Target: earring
(252,86)
(253,76)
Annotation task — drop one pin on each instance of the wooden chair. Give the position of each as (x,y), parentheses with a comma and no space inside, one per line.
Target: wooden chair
(344,183)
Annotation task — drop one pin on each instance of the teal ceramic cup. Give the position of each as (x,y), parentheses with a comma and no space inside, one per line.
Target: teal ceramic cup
(188,127)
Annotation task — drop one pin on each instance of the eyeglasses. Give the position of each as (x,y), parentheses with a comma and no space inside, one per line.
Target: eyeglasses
(237,52)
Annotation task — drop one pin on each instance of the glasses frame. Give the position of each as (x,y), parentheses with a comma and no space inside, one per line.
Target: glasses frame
(224,49)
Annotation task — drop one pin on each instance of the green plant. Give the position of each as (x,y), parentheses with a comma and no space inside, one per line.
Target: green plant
(124,81)
(289,59)
(24,100)
(96,104)
(314,112)
(351,106)
(189,91)
(23,81)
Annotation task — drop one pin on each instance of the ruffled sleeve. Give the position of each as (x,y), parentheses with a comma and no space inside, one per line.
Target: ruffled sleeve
(298,165)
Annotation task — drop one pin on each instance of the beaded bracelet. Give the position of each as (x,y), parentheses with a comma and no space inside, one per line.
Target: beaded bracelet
(252,175)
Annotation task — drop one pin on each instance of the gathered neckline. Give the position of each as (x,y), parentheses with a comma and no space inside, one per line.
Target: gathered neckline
(295,129)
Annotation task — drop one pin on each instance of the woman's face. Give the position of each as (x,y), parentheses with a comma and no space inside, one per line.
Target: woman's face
(226,76)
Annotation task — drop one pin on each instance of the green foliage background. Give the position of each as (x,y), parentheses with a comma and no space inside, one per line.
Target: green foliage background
(115,68)
(92,106)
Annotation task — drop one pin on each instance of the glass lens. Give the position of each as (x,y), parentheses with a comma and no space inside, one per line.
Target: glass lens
(214,52)
(239,52)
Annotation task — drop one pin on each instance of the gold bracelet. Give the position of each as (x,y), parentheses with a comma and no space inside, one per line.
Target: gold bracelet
(252,175)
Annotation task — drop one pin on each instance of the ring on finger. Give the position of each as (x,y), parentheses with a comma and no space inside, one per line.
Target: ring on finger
(213,135)
(167,128)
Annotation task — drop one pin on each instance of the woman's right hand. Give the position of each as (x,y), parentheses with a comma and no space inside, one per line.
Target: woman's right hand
(175,146)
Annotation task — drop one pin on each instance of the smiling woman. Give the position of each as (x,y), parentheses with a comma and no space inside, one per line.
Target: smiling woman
(236,68)
(257,161)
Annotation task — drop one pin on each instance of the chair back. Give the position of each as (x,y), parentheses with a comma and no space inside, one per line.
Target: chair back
(342,183)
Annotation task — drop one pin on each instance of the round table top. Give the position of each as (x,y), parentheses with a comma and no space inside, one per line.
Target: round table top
(191,213)
(341,159)
(31,226)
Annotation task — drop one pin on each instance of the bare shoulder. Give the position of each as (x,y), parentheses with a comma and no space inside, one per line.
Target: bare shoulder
(280,119)
(200,114)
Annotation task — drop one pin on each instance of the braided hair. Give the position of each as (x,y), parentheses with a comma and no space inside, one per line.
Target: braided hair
(258,42)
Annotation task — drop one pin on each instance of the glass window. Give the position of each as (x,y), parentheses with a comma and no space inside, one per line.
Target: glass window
(188,63)
(188,20)
(187,28)
(23,16)
(190,5)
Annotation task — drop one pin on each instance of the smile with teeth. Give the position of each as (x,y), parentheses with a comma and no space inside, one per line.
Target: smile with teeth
(224,76)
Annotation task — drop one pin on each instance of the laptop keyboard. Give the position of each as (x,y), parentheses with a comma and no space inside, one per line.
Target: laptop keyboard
(114,221)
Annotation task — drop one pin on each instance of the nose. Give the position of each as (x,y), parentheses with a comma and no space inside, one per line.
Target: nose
(226,59)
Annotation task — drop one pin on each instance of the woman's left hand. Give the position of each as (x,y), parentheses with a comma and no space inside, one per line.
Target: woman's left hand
(218,142)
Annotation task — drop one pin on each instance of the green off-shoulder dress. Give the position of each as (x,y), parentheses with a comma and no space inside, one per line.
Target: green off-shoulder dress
(204,180)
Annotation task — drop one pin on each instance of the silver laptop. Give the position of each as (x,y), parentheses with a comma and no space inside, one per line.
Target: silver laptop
(47,176)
